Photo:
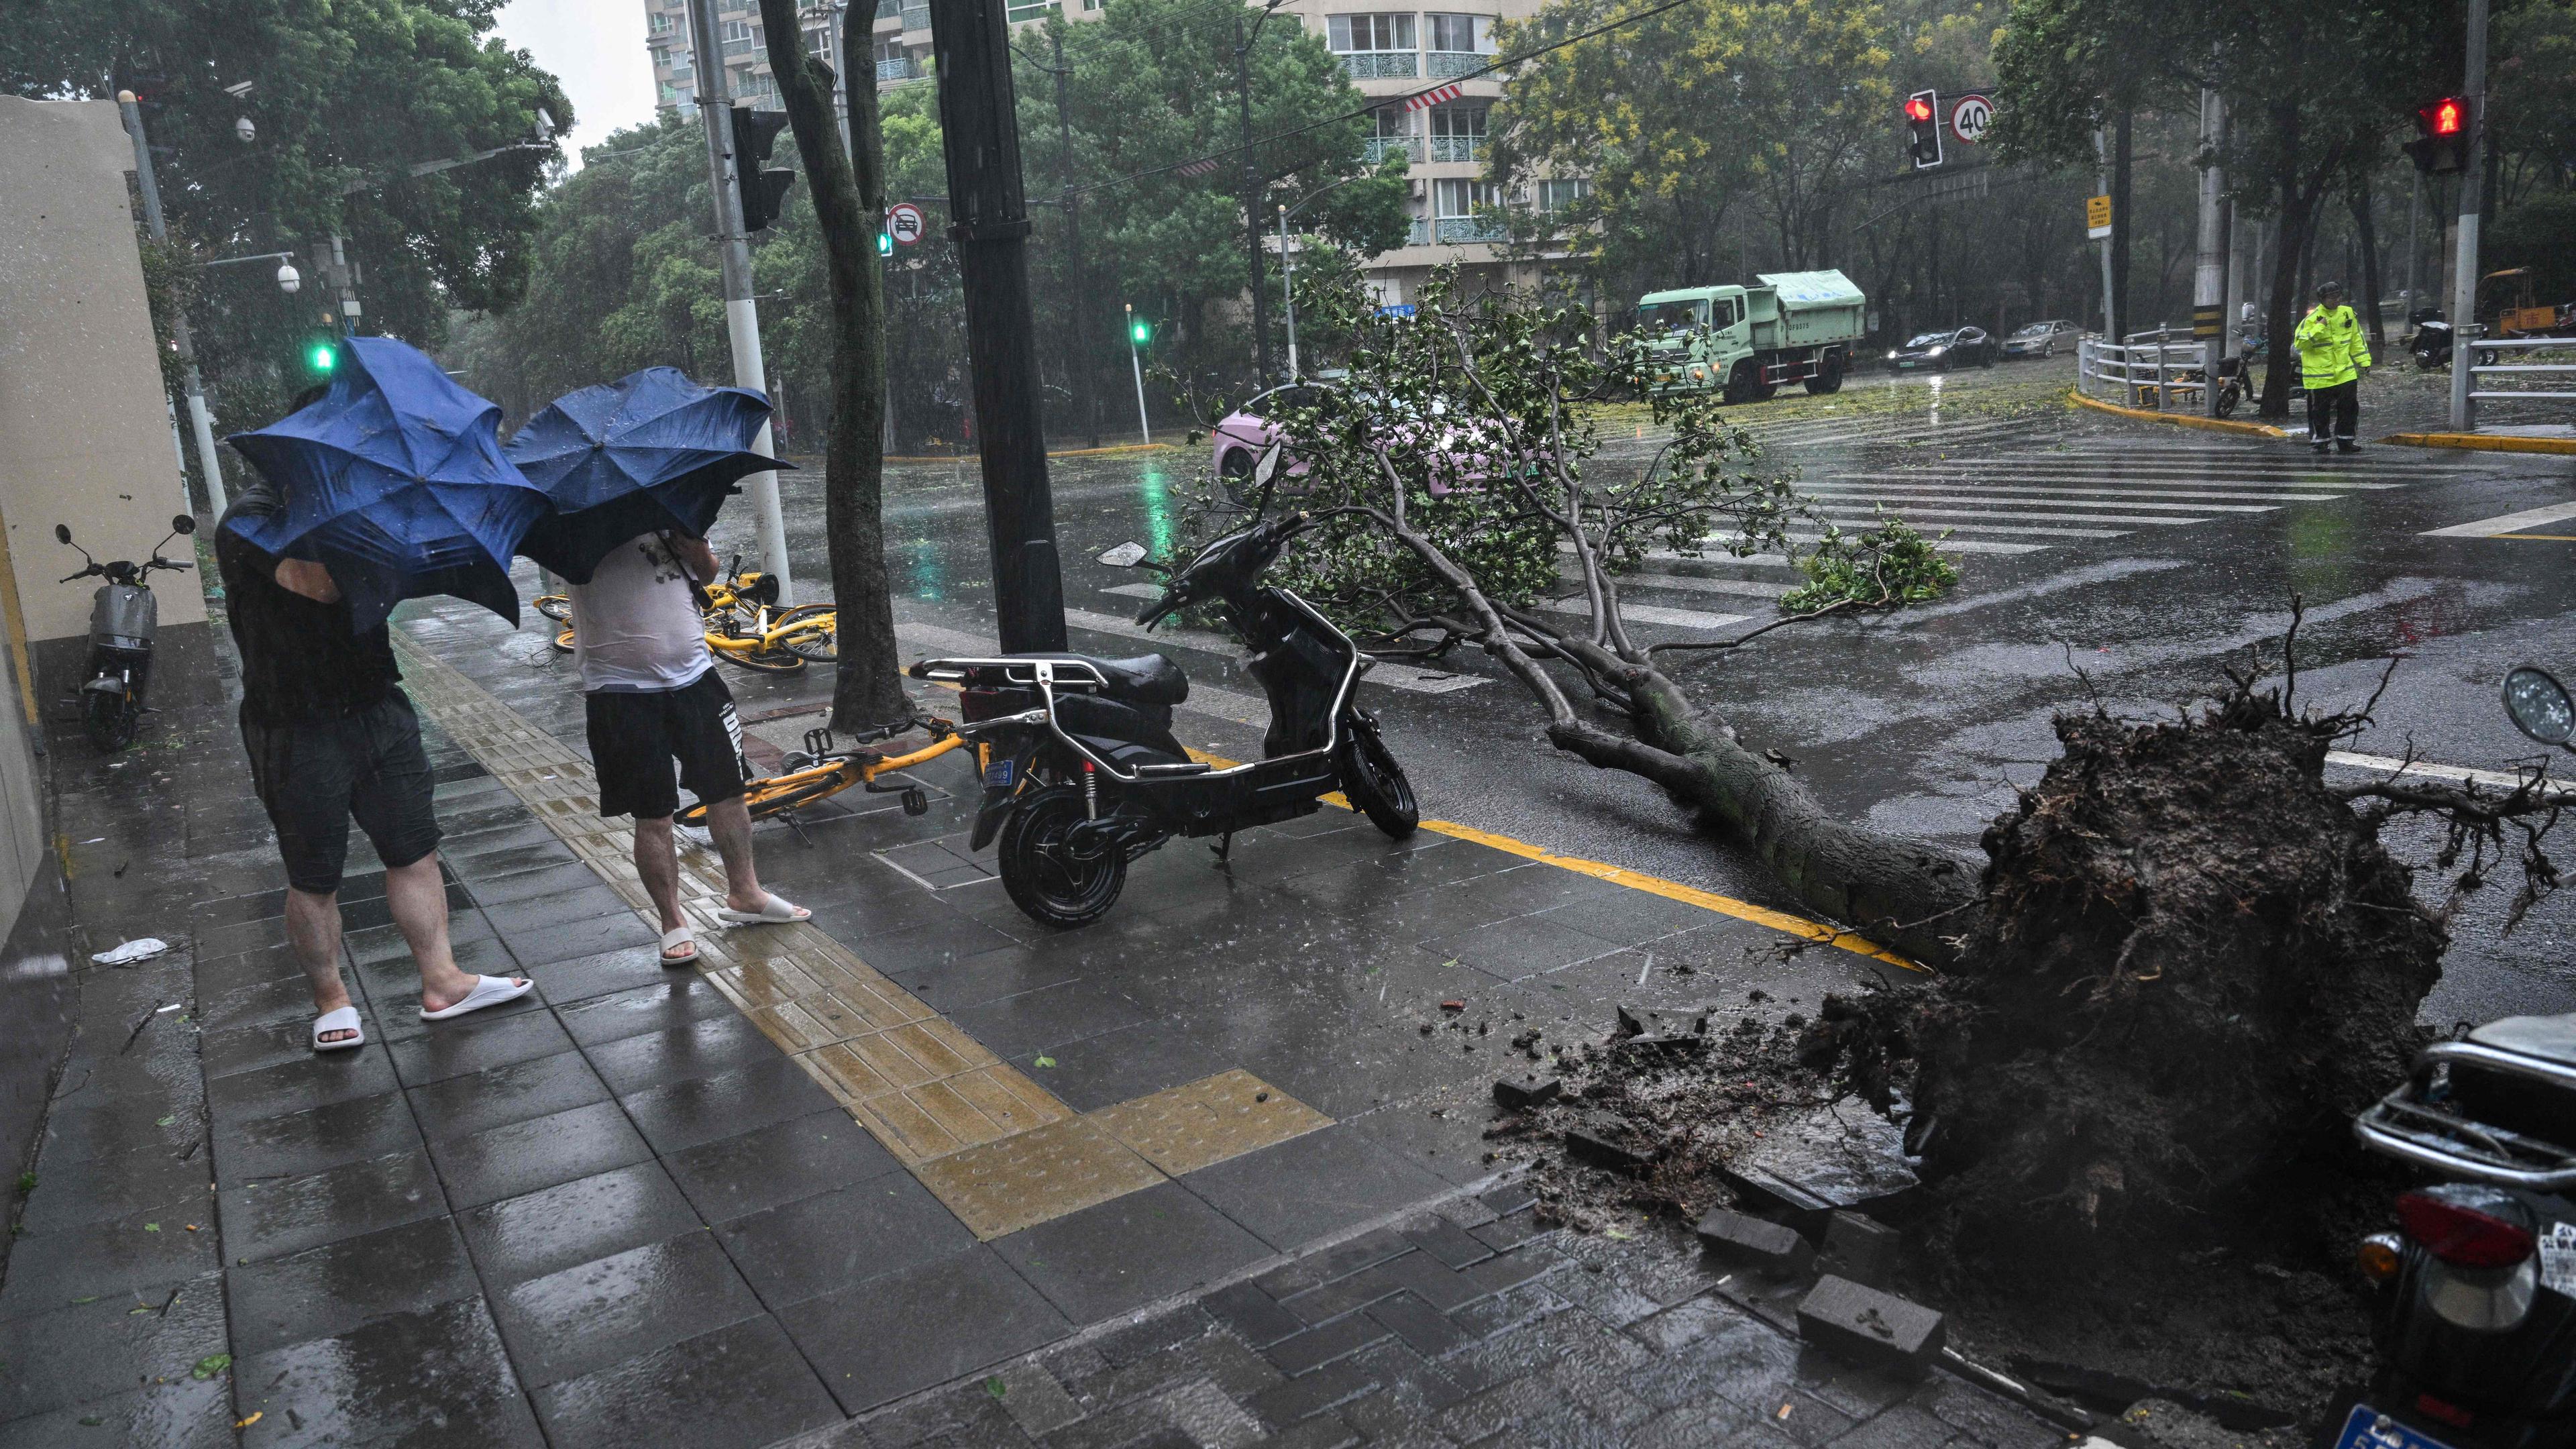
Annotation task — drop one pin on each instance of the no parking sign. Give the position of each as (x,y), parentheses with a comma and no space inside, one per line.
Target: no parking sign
(904,223)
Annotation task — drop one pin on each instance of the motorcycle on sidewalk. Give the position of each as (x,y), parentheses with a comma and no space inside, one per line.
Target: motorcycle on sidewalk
(1082,774)
(2476,1315)
(123,616)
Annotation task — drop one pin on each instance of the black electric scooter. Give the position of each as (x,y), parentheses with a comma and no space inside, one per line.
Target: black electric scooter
(2476,1320)
(1082,774)
(123,615)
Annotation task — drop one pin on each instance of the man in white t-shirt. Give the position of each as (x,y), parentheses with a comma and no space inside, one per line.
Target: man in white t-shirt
(651,695)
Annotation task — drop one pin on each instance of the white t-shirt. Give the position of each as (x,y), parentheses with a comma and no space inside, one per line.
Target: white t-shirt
(635,625)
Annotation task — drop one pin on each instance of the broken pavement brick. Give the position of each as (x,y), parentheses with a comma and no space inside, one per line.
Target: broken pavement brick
(1522,1095)
(1755,1242)
(1861,1248)
(1871,1329)
(1600,1151)
(1453,1006)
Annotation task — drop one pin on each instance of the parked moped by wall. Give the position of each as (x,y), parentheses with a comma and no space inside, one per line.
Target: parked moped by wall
(123,616)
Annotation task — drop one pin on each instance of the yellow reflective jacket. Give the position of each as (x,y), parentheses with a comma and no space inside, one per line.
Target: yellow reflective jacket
(2332,347)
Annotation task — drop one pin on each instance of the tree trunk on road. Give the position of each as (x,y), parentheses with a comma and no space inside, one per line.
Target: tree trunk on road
(868,688)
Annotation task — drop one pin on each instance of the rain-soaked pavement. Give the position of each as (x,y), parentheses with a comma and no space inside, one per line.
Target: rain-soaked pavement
(925,1173)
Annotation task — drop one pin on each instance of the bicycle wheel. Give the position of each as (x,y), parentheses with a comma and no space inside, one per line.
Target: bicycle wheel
(761,660)
(564,642)
(811,631)
(554,606)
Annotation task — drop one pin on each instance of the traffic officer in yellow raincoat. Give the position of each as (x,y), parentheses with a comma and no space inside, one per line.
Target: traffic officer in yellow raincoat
(2332,353)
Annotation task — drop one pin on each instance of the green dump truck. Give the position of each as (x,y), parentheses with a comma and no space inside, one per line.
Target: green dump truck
(1752,341)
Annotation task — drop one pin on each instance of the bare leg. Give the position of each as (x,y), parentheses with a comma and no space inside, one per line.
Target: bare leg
(313,929)
(730,824)
(419,901)
(657,863)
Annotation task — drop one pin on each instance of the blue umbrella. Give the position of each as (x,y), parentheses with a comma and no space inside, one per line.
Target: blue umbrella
(649,452)
(394,481)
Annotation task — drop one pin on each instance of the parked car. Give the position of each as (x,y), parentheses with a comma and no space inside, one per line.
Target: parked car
(1958,347)
(2041,339)
(1241,436)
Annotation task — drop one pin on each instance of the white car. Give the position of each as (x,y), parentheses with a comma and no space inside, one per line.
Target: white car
(2041,339)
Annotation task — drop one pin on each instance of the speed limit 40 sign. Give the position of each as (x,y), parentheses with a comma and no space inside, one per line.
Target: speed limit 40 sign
(1970,115)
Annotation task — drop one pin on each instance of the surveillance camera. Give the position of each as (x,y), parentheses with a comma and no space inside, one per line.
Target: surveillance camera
(245,130)
(545,124)
(288,279)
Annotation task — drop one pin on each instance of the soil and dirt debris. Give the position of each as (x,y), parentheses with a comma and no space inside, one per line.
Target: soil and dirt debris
(2129,1105)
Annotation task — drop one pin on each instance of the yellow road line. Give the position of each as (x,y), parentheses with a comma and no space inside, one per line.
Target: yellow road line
(1638,880)
(2188,420)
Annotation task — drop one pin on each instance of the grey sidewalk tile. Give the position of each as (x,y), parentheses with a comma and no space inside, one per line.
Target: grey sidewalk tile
(740,1385)
(1983,1418)
(1424,1329)
(187,1413)
(542,1152)
(1311,1186)
(542,1232)
(894,1335)
(119,1257)
(1903,1427)
(901,953)
(90,1351)
(1338,1261)
(1118,1255)
(498,1096)
(679,1115)
(311,1081)
(73,1190)
(778,1163)
(342,1285)
(1305,1397)
(433,1379)
(664,1000)
(392,987)
(1047,1018)
(1310,1350)
(1451,1145)
(681,1053)
(561,908)
(271,1219)
(285,1037)
(1445,1240)
(486,866)
(385,943)
(217,975)
(990,976)
(1124,1064)
(1253,1316)
(546,945)
(591,1316)
(583,978)
(80,1126)
(476,1043)
(1520,947)
(1327,1430)
(1712,1420)
(293,1144)
(834,1240)
(1033,1398)
(544,875)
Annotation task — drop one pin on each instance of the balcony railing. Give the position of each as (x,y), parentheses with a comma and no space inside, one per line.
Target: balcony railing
(1420,235)
(1381,64)
(899,68)
(1456,229)
(1456,148)
(1446,64)
(1031,11)
(916,17)
(1381,147)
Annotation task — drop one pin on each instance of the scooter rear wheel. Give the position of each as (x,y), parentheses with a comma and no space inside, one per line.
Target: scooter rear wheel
(1047,883)
(1373,781)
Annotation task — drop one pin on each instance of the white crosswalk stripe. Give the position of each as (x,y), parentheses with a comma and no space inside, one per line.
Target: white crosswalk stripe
(1646,613)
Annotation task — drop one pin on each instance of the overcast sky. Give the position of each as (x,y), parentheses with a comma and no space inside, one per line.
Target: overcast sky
(597,48)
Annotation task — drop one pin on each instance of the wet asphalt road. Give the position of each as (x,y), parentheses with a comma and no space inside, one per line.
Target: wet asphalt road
(2146,556)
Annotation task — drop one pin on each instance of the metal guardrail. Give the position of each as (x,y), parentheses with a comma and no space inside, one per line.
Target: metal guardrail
(1470,229)
(1381,147)
(916,17)
(1381,64)
(2152,370)
(1449,64)
(1456,148)
(900,68)
(2482,370)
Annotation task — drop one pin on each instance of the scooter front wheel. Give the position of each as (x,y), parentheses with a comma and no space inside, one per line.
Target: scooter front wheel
(1373,781)
(108,719)
(1045,879)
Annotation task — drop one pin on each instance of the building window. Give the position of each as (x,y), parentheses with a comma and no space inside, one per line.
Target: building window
(818,43)
(658,24)
(737,30)
(1558,195)
(1458,133)
(1457,199)
(1471,34)
(1352,33)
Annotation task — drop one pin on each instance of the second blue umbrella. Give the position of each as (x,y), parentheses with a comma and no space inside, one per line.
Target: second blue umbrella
(652,451)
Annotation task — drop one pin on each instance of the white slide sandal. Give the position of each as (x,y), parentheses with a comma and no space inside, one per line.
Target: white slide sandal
(343,1018)
(488,991)
(779,911)
(675,938)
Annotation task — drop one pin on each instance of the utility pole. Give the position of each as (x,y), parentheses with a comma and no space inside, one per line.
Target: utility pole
(2209,274)
(1288,289)
(733,249)
(1251,193)
(2414,216)
(1079,328)
(2102,187)
(1136,362)
(200,423)
(989,220)
(2122,153)
(2464,280)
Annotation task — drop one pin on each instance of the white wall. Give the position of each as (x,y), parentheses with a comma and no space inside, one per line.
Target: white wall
(84,423)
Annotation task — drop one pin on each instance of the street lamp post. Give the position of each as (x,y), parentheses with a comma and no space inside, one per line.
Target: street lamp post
(2464,281)
(1288,267)
(201,423)
(1136,361)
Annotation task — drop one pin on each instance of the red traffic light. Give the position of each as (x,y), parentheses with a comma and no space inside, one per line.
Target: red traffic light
(2448,116)
(1918,108)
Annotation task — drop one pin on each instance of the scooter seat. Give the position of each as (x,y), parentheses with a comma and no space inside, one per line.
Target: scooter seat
(1145,679)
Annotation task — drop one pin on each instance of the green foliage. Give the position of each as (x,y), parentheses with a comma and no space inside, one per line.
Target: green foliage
(1885,566)
(342,91)
(170,285)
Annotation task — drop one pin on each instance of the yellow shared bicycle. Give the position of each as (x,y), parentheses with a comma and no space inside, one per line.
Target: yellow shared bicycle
(824,769)
(744,625)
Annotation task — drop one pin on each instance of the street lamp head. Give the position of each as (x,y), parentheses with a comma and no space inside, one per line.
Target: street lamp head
(125,98)
(288,279)
(245,130)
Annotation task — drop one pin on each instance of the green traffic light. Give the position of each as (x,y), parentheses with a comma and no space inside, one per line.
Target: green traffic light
(1140,331)
(885,243)
(322,357)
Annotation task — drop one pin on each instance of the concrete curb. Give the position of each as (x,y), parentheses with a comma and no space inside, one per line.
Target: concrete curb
(2219,425)
(1114,448)
(2484,442)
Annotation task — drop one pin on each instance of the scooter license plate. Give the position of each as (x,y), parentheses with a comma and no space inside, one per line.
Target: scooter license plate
(2368,1428)
(997,775)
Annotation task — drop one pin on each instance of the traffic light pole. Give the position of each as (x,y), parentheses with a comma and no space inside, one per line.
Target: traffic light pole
(742,315)
(970,44)
(1136,364)
(2209,274)
(200,423)
(2464,279)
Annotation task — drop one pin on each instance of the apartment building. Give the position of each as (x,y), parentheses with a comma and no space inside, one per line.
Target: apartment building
(1391,55)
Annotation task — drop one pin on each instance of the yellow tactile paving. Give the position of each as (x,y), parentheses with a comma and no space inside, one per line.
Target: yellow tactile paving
(1001,1151)
(1191,1126)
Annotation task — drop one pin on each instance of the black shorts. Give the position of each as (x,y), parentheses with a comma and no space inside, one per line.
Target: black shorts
(314,775)
(634,737)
